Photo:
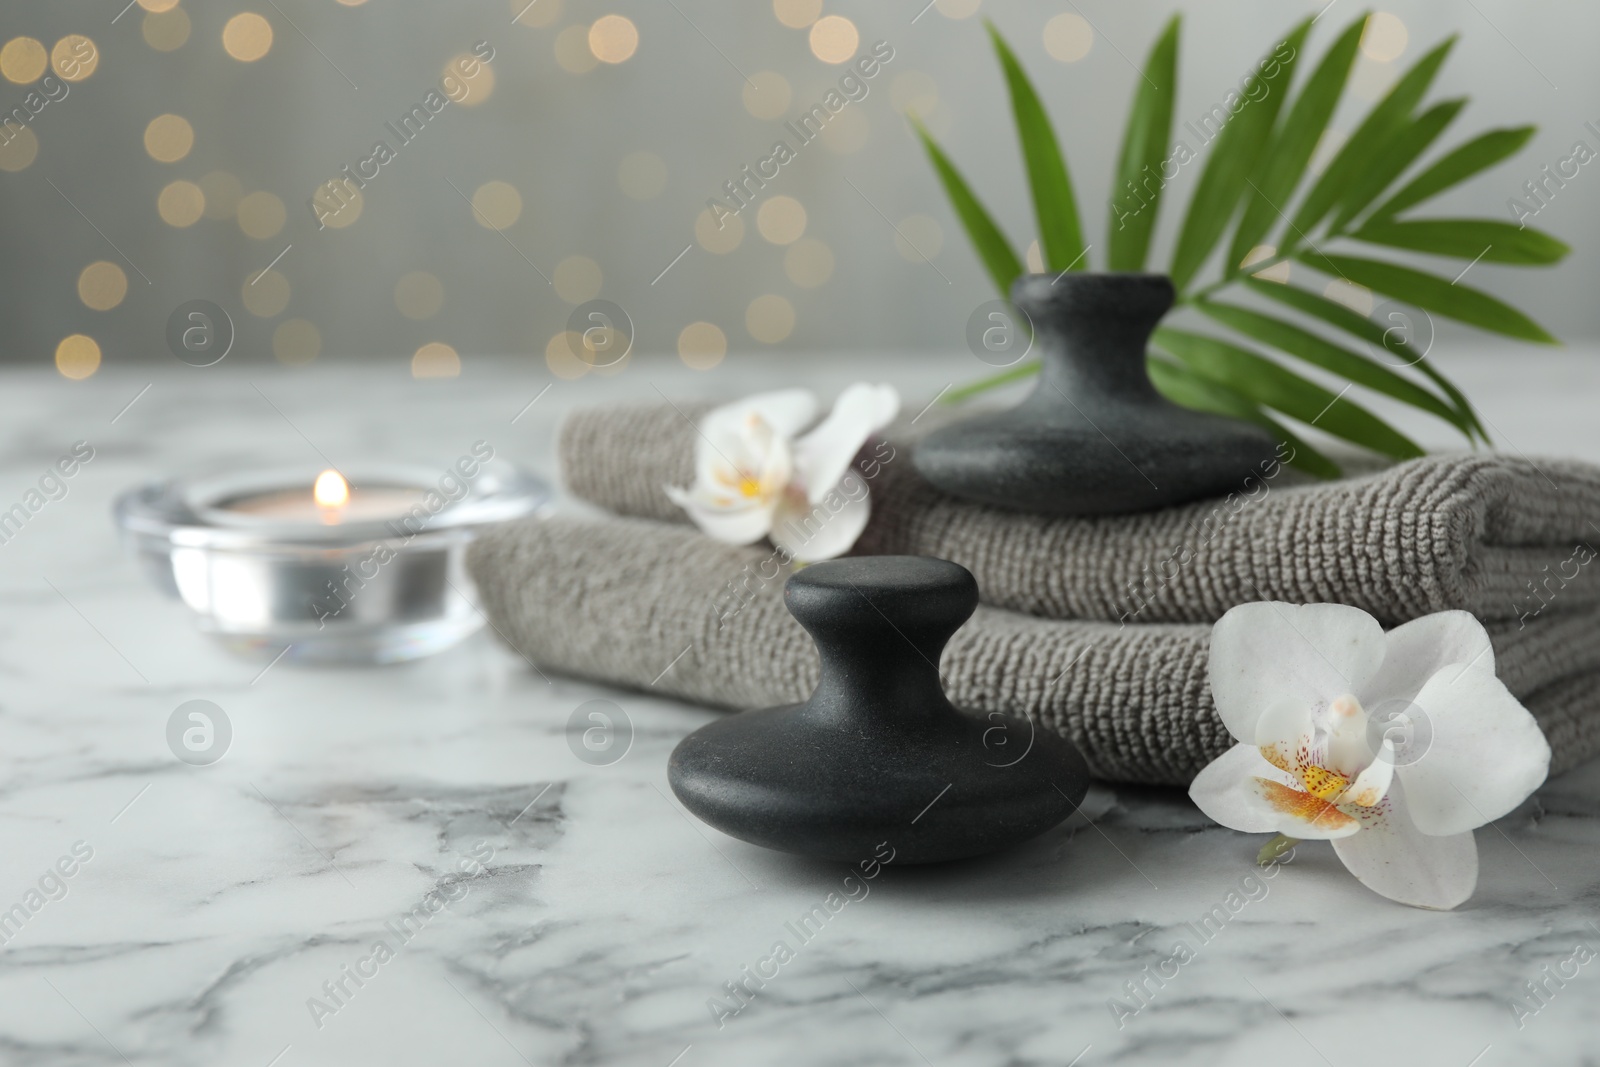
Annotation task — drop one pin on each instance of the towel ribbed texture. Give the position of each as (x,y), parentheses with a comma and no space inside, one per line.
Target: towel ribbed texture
(1094,627)
(1474,531)
(647,605)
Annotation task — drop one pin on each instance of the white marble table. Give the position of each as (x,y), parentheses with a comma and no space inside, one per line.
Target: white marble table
(219,900)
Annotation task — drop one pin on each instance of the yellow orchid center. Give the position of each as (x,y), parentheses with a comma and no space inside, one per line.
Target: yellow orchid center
(1323,784)
(1326,789)
(741,482)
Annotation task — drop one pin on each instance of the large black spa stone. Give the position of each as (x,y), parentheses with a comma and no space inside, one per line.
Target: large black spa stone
(1094,436)
(878,754)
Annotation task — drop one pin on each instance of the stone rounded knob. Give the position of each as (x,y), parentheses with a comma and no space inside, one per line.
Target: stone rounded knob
(1094,436)
(878,753)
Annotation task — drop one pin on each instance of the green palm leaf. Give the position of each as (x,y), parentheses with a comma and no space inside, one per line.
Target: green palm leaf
(1362,370)
(1266,382)
(1295,143)
(1002,263)
(1432,293)
(1257,166)
(1060,236)
(1360,152)
(1398,152)
(1144,149)
(1234,156)
(1182,386)
(1359,326)
(1478,154)
(1492,241)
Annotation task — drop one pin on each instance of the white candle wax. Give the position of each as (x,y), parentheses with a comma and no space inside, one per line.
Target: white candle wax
(329,503)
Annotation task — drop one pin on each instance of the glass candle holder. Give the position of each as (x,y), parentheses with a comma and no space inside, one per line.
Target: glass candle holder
(365,565)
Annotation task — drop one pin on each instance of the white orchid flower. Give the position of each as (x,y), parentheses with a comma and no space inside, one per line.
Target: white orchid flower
(1392,746)
(754,478)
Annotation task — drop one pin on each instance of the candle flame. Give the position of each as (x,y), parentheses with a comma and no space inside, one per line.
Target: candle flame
(331,490)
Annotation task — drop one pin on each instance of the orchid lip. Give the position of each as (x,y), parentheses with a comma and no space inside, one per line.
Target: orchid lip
(1337,779)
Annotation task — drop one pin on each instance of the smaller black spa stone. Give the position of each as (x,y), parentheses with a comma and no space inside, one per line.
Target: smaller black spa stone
(1094,437)
(878,754)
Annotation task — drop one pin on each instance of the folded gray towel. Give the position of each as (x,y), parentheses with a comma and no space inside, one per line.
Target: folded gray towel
(1498,536)
(645,605)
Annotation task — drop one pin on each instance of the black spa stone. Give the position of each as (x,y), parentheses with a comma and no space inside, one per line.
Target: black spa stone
(1094,436)
(878,754)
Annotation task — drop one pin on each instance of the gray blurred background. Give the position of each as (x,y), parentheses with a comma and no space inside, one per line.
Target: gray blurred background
(588,175)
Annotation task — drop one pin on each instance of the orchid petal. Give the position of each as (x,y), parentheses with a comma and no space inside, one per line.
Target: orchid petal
(719,453)
(1484,754)
(1419,649)
(745,457)
(1372,784)
(1226,790)
(776,466)
(829,528)
(1287,739)
(787,411)
(740,524)
(1265,654)
(824,455)
(1395,859)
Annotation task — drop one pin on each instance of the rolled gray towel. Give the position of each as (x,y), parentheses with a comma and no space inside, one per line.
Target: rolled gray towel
(658,607)
(1495,535)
